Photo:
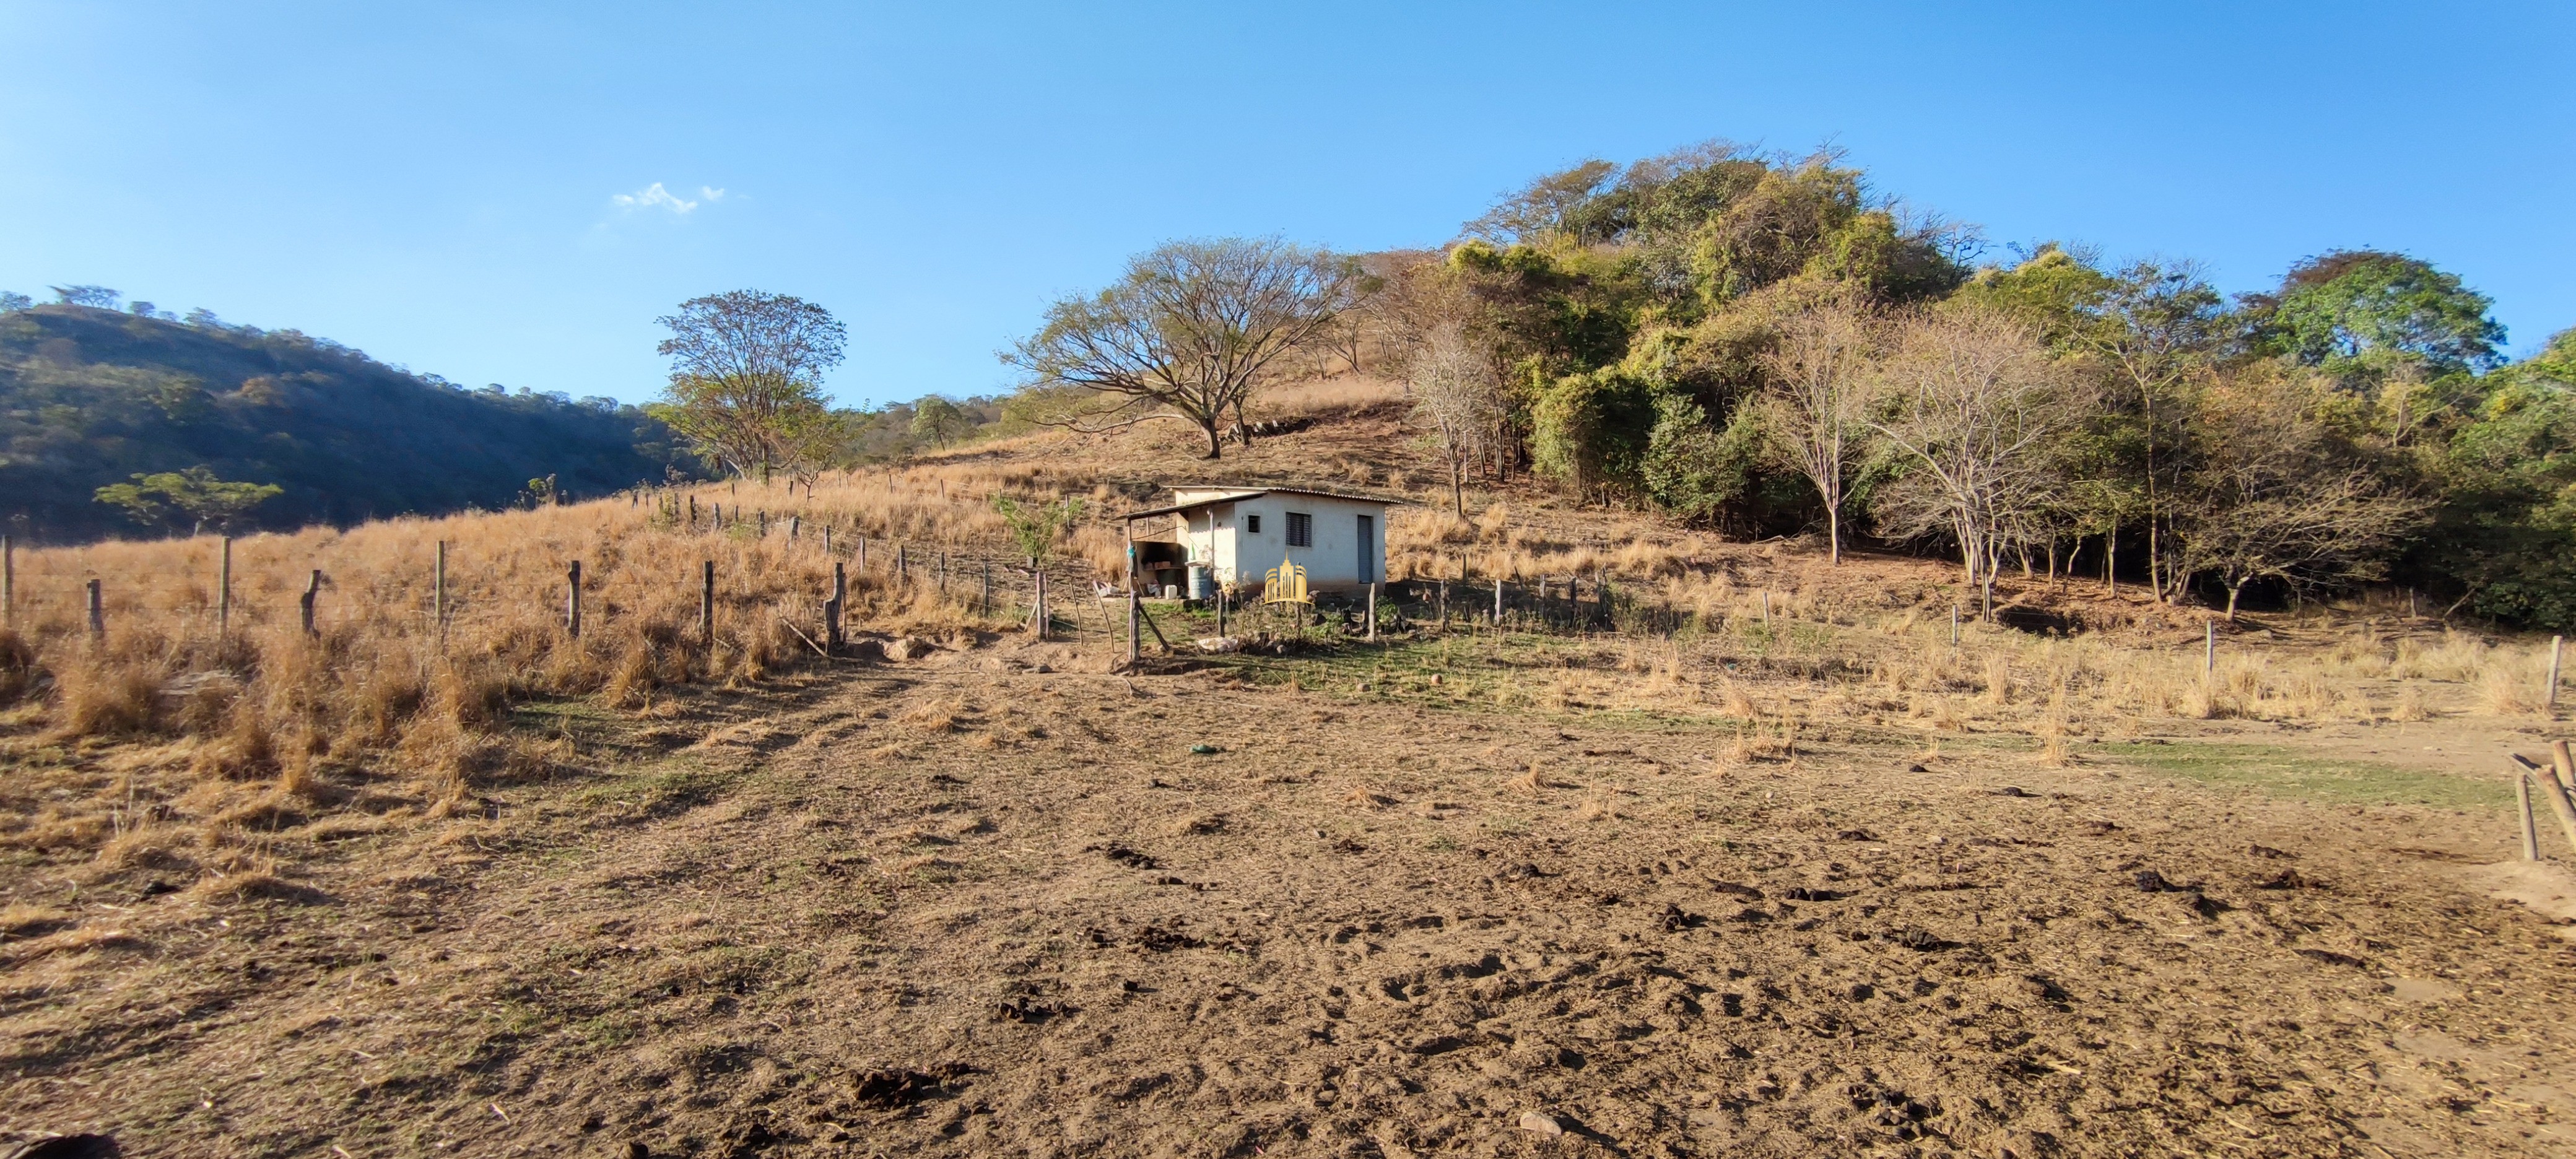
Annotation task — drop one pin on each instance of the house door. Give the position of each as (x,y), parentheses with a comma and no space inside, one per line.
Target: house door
(1368,549)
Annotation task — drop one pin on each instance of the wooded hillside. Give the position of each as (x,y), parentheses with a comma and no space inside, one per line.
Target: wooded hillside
(90,397)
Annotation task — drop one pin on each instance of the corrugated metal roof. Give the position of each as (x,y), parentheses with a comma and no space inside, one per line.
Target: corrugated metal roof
(1232,495)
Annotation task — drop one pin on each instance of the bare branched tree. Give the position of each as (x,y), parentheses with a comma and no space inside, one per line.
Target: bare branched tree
(1188,334)
(2276,496)
(1974,402)
(1821,387)
(1454,389)
(746,377)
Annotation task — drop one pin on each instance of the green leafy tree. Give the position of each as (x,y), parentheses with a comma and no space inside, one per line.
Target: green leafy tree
(1695,470)
(1037,527)
(939,421)
(1592,429)
(194,497)
(2504,537)
(2154,328)
(746,377)
(2364,314)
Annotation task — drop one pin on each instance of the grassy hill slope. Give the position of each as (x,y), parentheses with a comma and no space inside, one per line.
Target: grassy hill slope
(89,397)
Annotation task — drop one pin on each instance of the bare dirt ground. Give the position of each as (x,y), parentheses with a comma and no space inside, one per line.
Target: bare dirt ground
(990,904)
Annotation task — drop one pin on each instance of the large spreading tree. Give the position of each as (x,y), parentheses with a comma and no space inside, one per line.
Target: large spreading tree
(1190,332)
(746,383)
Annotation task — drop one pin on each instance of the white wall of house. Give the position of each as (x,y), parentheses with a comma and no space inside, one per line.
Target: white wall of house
(1345,551)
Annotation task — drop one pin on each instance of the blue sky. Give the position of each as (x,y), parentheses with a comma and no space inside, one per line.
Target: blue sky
(439,184)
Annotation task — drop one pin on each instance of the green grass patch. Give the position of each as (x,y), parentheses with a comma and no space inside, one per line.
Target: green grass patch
(2284,773)
(664,786)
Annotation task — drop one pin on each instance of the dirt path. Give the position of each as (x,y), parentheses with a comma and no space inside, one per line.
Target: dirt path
(966,911)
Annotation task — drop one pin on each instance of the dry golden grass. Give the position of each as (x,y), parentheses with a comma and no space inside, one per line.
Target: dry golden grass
(382,688)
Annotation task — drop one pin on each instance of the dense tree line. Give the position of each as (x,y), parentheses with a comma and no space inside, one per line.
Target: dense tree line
(1763,344)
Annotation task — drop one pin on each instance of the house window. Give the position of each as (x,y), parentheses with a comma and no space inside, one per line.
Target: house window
(1252,524)
(1301,529)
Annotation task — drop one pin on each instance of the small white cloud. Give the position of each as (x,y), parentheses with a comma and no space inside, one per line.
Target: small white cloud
(707,194)
(655,197)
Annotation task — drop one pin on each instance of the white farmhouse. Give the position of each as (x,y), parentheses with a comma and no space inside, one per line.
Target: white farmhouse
(1214,535)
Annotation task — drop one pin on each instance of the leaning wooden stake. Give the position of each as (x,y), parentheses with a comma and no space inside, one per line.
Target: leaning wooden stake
(1038,605)
(2563,763)
(2530,833)
(2557,797)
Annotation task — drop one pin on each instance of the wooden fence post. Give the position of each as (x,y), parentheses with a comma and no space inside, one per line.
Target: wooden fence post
(1135,605)
(987,603)
(1371,617)
(8,581)
(943,570)
(863,553)
(795,524)
(832,608)
(2550,699)
(438,595)
(572,600)
(224,592)
(312,592)
(1038,605)
(693,513)
(97,613)
(1954,624)
(707,604)
(2208,648)
(827,539)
